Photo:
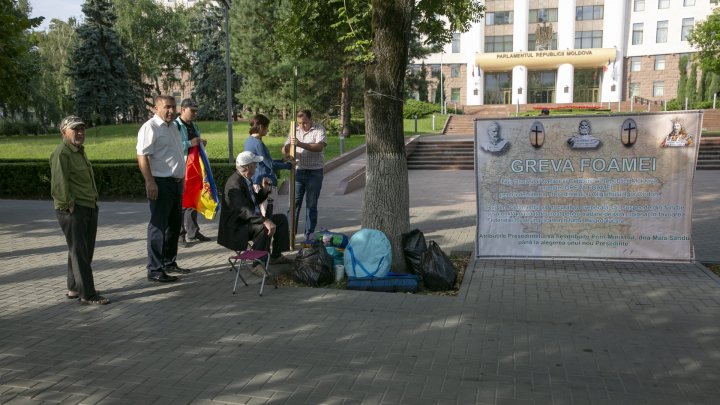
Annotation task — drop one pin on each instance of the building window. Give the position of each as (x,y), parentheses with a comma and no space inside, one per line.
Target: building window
(688,3)
(634,89)
(455,94)
(588,39)
(454,71)
(639,5)
(637,35)
(498,43)
(532,45)
(456,43)
(499,18)
(687,24)
(663,3)
(661,33)
(658,89)
(659,62)
(583,13)
(541,15)
(635,64)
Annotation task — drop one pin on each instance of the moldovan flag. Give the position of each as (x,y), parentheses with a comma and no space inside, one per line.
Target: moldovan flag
(200,189)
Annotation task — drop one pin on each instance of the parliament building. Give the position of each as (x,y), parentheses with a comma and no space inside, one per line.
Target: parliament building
(567,51)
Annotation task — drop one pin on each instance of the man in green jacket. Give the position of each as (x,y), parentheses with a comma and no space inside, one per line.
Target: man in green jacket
(75,198)
(189,228)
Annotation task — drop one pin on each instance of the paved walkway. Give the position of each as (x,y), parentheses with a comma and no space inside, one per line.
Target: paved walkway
(520,332)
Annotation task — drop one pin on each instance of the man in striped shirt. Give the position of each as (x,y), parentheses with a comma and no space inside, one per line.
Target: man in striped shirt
(310,140)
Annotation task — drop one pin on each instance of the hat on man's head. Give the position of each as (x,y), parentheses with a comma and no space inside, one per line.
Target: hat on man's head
(247,157)
(71,121)
(188,103)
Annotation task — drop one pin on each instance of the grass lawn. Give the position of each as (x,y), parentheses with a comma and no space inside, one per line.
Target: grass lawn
(113,142)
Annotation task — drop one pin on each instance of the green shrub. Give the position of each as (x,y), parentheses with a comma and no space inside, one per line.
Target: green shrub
(13,127)
(702,105)
(332,126)
(31,180)
(279,128)
(674,105)
(421,108)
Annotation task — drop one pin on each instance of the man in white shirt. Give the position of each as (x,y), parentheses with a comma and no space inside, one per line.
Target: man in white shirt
(160,157)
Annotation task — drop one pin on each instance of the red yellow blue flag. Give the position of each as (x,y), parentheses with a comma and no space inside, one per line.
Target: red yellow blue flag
(200,189)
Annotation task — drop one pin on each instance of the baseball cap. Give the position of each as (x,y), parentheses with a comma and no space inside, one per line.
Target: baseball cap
(188,103)
(247,157)
(71,121)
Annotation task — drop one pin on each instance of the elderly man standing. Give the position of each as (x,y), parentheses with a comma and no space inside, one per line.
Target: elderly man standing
(310,140)
(75,200)
(160,157)
(240,217)
(189,228)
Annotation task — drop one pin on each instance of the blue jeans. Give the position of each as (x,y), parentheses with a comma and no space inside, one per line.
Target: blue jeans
(308,182)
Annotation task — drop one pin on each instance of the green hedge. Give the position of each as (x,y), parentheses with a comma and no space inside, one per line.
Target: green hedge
(421,108)
(31,180)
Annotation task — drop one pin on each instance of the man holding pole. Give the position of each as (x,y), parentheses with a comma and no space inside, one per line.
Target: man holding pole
(309,141)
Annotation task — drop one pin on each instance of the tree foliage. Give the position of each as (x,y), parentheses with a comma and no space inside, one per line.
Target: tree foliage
(17,55)
(103,89)
(158,40)
(208,71)
(52,91)
(267,71)
(705,37)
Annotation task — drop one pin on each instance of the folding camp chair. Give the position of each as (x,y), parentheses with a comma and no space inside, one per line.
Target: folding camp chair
(260,257)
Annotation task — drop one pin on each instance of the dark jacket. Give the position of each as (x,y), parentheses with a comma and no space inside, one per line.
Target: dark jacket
(237,213)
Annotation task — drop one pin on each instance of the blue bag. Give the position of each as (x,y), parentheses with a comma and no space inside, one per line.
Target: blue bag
(409,283)
(368,254)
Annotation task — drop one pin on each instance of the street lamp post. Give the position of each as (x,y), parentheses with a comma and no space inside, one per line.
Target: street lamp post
(228,80)
(442,98)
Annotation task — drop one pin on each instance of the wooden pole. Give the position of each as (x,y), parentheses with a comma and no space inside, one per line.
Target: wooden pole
(293,134)
(293,217)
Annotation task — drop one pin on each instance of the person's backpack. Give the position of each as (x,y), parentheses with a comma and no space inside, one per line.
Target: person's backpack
(368,254)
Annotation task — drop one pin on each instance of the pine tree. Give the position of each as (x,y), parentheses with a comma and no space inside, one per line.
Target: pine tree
(208,72)
(682,82)
(103,90)
(691,87)
(423,84)
(259,57)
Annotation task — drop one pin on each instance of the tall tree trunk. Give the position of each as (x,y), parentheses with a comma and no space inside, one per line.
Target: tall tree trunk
(345,102)
(386,205)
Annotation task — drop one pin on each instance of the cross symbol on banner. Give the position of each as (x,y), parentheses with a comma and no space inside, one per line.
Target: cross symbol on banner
(629,128)
(536,130)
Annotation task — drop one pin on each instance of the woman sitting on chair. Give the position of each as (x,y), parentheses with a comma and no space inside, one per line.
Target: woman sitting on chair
(240,216)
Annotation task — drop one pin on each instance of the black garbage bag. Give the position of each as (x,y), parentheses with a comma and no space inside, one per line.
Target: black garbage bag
(414,248)
(314,266)
(438,272)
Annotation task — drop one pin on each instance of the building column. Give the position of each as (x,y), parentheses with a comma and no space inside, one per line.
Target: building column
(519,85)
(521,15)
(473,43)
(614,27)
(566,32)
(565,79)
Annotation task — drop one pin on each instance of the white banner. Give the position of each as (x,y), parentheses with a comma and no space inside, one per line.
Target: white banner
(597,187)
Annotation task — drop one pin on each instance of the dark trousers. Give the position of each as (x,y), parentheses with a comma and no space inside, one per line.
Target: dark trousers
(280,241)
(308,184)
(80,229)
(189,227)
(164,227)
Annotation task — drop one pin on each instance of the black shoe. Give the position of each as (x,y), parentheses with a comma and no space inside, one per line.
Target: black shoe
(161,277)
(175,269)
(184,242)
(201,237)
